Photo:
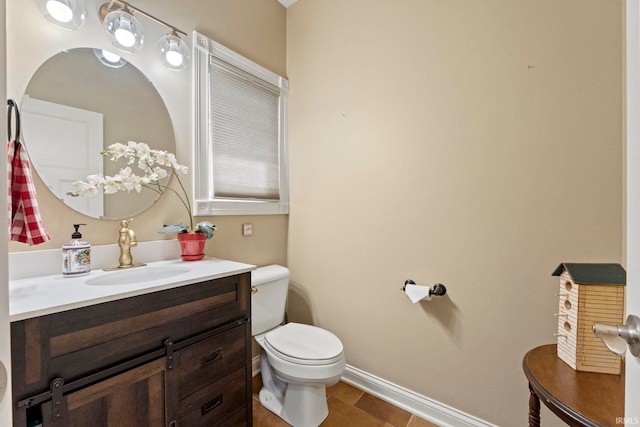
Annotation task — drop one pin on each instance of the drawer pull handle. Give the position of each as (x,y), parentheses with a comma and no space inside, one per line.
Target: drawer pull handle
(217,355)
(212,404)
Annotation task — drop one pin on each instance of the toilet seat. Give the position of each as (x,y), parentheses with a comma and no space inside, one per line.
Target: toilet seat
(304,344)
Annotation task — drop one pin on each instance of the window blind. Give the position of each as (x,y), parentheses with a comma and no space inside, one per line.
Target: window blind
(243,114)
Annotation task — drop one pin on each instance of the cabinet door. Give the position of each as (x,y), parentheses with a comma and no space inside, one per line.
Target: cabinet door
(135,398)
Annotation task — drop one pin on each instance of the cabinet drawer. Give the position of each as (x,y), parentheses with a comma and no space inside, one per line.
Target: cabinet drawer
(206,361)
(217,404)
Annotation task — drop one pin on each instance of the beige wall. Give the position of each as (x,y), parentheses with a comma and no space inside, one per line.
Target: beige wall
(254,28)
(477,144)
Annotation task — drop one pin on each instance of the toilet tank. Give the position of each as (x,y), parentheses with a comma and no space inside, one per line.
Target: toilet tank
(268,303)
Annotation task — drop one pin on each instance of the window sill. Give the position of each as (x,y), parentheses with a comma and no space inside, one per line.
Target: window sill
(245,207)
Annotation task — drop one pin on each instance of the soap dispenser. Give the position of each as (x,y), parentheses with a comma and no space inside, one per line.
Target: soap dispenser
(76,255)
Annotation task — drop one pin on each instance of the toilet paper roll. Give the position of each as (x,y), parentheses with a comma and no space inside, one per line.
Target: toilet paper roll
(417,293)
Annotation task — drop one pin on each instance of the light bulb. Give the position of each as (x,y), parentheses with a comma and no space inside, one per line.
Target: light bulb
(110,56)
(109,59)
(59,11)
(67,14)
(174,55)
(174,52)
(124,30)
(124,34)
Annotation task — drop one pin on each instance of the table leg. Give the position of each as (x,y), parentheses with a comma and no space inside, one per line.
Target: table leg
(534,409)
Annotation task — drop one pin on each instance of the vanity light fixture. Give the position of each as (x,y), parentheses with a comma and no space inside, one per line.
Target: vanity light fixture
(126,34)
(67,14)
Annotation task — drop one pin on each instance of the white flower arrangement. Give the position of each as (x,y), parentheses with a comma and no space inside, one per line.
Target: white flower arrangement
(156,164)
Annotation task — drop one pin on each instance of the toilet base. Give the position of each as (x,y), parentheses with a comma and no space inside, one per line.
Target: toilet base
(270,401)
(301,406)
(305,405)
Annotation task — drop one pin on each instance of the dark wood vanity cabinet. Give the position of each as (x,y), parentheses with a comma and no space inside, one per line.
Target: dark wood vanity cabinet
(179,358)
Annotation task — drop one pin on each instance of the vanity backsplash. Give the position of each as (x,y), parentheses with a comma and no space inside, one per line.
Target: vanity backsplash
(28,264)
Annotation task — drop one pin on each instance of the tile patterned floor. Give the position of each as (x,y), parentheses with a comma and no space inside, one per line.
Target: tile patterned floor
(348,407)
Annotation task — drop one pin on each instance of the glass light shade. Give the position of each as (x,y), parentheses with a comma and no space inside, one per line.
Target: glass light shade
(67,14)
(60,11)
(109,59)
(174,52)
(124,30)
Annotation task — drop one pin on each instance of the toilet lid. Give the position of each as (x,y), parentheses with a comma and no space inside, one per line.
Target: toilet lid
(305,343)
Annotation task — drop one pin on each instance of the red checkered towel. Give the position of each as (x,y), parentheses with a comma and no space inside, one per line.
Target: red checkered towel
(25,224)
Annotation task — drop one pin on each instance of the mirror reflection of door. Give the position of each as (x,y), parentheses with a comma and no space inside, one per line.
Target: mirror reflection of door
(74,141)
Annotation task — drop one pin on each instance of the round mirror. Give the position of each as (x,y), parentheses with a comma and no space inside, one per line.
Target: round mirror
(79,102)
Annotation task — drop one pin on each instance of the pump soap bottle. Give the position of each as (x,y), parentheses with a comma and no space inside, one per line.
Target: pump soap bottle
(76,255)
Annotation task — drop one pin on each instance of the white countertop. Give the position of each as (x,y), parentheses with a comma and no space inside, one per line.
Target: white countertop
(38,296)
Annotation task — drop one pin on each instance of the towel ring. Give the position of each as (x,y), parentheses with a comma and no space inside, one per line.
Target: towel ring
(13,105)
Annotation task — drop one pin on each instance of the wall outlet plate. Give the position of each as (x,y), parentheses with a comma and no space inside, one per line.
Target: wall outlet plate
(247,229)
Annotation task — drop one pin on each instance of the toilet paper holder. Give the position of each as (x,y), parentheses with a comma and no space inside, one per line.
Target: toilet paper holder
(436,290)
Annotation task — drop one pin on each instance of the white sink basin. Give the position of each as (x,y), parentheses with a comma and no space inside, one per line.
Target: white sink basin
(137,275)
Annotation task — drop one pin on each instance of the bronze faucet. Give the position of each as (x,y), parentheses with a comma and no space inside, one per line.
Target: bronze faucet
(126,240)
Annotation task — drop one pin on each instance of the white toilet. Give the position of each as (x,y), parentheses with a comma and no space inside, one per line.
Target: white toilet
(298,361)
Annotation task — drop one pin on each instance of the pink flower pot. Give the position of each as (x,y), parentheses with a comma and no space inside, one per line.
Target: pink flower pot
(192,246)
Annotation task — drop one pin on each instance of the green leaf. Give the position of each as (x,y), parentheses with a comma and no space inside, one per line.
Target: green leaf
(174,228)
(206,228)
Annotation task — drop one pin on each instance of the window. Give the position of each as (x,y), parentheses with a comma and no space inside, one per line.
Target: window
(240,152)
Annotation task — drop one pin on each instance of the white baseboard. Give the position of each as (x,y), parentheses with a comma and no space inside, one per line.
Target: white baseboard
(421,406)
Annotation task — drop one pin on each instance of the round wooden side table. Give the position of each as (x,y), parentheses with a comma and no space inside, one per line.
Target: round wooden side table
(578,398)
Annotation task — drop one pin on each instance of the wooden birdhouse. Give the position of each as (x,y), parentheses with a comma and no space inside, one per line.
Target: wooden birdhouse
(589,293)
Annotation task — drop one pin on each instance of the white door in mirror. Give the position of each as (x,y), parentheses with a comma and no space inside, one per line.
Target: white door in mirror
(77,135)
